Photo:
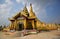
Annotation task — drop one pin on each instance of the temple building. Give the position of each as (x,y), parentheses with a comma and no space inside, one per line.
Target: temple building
(26,20)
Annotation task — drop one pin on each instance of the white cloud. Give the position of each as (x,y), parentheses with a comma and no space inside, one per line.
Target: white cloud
(9,2)
(22,1)
(18,1)
(5,9)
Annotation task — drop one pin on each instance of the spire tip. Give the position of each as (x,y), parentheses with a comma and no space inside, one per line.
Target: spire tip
(30,4)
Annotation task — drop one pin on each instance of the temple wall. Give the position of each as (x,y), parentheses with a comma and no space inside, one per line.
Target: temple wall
(38,24)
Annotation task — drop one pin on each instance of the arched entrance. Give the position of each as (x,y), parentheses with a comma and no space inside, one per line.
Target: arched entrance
(21,26)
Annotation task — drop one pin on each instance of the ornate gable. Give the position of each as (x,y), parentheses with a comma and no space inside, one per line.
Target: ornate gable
(18,16)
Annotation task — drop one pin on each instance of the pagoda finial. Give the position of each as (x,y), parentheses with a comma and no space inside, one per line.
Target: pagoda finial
(30,4)
(25,4)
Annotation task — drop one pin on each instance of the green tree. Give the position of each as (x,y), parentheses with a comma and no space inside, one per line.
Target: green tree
(1,28)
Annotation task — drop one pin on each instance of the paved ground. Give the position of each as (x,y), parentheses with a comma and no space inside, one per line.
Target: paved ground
(42,35)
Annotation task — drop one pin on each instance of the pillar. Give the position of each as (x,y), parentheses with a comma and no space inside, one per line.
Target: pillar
(33,24)
(25,24)
(15,25)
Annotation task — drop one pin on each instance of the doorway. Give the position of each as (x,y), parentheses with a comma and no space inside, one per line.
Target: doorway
(21,26)
(29,26)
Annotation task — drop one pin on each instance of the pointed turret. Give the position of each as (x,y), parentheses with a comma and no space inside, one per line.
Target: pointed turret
(25,11)
(31,11)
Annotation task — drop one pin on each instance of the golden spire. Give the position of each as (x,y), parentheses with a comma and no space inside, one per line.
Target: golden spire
(25,9)
(31,11)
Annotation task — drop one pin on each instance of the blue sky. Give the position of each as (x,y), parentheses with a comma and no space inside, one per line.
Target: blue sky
(47,11)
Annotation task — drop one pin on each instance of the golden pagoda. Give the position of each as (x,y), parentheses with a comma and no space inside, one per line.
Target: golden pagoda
(25,20)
